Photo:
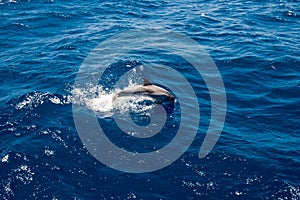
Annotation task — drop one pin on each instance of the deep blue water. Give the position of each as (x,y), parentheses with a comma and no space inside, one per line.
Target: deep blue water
(256,47)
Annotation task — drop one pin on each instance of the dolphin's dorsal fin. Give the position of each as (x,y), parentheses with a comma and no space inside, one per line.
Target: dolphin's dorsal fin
(146,82)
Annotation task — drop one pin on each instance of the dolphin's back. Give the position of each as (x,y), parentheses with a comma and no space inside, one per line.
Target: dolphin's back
(130,92)
(147,89)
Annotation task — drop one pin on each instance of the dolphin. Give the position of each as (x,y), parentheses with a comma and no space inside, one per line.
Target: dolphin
(159,94)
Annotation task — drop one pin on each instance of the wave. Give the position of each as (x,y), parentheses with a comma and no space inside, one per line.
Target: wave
(35,99)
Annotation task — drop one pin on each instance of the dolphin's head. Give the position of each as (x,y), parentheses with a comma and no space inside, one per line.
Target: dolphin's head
(164,98)
(167,101)
(159,94)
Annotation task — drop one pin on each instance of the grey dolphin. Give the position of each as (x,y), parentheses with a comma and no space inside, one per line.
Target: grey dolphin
(159,94)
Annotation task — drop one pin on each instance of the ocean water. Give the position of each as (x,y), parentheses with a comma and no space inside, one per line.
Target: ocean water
(256,47)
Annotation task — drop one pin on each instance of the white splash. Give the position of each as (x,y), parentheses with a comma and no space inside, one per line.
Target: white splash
(101,100)
(5,158)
